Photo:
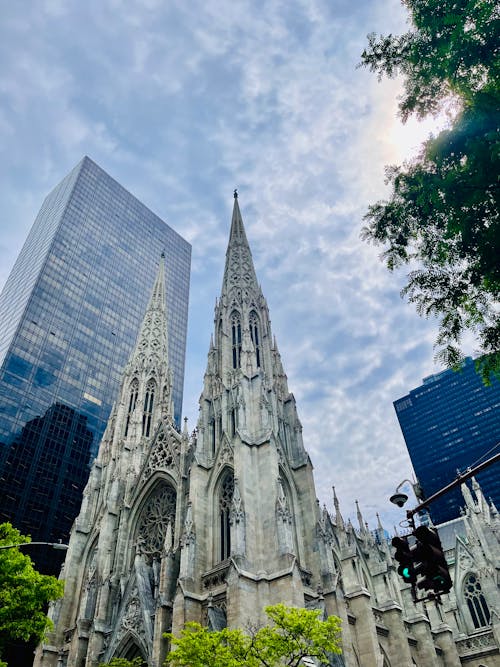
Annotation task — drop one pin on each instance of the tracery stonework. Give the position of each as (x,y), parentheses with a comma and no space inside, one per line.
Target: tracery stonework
(157,513)
(164,456)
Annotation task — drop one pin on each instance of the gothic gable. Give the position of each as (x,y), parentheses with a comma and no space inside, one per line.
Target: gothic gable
(164,453)
(464,562)
(130,624)
(225,455)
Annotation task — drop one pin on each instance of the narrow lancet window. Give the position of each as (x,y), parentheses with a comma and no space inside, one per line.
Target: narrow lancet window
(255,336)
(134,392)
(236,339)
(147,414)
(476,602)
(234,421)
(225,500)
(212,435)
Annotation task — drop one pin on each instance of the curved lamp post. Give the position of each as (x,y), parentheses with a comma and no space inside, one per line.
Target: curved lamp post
(54,545)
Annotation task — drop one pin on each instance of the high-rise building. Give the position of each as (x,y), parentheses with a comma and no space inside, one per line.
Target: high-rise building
(214,526)
(450,423)
(69,315)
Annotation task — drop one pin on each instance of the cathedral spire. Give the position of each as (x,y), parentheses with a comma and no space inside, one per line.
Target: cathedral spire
(338,516)
(239,273)
(152,344)
(146,392)
(362,525)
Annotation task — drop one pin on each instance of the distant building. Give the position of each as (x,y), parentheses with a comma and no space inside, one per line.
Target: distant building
(69,315)
(450,423)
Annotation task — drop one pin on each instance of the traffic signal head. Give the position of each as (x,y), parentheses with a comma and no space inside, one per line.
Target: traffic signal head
(404,556)
(430,561)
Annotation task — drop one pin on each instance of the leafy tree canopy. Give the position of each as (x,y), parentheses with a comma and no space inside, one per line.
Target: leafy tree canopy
(293,635)
(24,592)
(123,662)
(443,213)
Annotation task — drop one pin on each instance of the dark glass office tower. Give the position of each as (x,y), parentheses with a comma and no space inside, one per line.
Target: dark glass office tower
(452,422)
(69,316)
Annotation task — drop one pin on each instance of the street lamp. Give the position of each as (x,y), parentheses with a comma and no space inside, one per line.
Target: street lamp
(399,498)
(54,545)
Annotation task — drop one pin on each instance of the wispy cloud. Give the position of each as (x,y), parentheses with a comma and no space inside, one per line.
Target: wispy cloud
(181,102)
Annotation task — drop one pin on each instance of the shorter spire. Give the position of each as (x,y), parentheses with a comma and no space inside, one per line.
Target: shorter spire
(152,339)
(338,516)
(361,522)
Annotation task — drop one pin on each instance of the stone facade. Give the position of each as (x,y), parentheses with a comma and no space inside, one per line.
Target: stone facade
(215,525)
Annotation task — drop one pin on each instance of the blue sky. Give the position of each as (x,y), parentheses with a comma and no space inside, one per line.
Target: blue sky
(183,101)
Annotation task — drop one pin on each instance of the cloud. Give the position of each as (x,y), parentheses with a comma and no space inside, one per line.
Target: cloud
(182,102)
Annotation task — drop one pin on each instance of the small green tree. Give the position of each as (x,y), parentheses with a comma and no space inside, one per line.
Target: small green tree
(293,635)
(443,214)
(123,662)
(24,592)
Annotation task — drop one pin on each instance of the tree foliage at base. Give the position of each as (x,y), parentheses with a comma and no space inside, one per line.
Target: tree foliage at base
(123,662)
(24,592)
(443,214)
(294,634)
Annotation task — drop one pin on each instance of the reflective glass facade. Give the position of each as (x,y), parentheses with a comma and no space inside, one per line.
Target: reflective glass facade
(69,316)
(452,422)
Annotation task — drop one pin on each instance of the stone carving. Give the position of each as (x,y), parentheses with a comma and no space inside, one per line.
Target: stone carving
(156,515)
(284,521)
(479,641)
(237,511)
(237,521)
(188,534)
(165,454)
(226,455)
(132,617)
(188,542)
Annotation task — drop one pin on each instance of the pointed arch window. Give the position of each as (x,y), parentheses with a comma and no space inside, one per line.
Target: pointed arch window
(158,511)
(236,339)
(255,335)
(132,402)
(476,602)
(147,414)
(225,500)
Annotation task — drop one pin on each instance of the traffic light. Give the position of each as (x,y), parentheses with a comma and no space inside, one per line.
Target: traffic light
(404,556)
(429,561)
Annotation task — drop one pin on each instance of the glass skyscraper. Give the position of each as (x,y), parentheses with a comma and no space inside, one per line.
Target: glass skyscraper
(450,423)
(69,315)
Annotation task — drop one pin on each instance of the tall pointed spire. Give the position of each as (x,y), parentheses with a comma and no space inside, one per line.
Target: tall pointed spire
(146,391)
(239,272)
(152,345)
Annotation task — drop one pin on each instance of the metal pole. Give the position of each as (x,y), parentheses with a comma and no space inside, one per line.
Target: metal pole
(54,545)
(461,477)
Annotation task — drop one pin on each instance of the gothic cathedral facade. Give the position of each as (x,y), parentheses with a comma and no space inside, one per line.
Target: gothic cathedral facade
(214,526)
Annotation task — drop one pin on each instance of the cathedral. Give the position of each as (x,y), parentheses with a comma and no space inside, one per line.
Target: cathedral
(215,525)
